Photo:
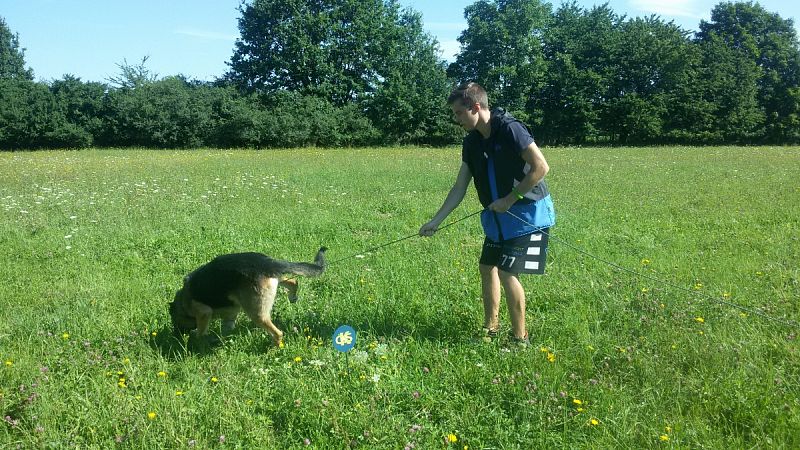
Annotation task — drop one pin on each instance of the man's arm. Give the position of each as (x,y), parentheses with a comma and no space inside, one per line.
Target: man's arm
(533,156)
(454,198)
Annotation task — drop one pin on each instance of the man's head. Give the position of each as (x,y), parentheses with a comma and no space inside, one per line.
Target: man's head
(469,102)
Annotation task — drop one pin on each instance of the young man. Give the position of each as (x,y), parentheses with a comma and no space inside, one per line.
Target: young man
(500,154)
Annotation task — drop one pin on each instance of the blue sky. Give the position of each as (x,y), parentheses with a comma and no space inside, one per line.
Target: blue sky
(89,39)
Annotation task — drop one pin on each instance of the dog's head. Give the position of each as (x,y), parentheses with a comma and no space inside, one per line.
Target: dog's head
(182,321)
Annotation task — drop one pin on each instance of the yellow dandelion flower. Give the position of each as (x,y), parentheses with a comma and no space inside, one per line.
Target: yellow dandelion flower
(65,335)
(154,334)
(452,438)
(580,410)
(126,361)
(151,415)
(281,344)
(9,363)
(551,357)
(663,438)
(298,359)
(214,379)
(577,401)
(178,393)
(543,349)
(759,274)
(742,314)
(668,429)
(594,422)
(699,320)
(698,286)
(162,374)
(726,294)
(645,261)
(645,290)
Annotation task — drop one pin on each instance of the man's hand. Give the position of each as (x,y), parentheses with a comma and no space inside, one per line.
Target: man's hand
(502,205)
(429,228)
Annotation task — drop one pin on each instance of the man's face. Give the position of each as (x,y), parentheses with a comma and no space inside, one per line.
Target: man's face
(467,117)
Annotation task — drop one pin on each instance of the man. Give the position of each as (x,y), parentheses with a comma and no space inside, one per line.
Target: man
(500,154)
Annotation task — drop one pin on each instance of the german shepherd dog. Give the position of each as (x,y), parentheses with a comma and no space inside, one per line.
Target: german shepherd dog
(234,282)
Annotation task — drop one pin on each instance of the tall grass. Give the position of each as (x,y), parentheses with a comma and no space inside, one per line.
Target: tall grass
(94,244)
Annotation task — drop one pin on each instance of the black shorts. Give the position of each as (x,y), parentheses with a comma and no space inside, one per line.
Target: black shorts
(524,254)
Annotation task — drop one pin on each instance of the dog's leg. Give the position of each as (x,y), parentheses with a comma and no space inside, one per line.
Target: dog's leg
(202,314)
(291,285)
(228,316)
(260,310)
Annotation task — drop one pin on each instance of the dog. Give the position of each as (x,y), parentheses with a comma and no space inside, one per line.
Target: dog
(234,282)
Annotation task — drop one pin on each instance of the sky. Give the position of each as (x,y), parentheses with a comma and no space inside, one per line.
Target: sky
(91,38)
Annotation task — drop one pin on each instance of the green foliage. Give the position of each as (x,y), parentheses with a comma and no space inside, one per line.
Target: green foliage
(12,57)
(768,47)
(30,118)
(502,50)
(99,240)
(366,53)
(364,72)
(578,47)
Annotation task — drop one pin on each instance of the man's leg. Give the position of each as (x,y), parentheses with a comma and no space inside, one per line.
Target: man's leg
(515,298)
(490,292)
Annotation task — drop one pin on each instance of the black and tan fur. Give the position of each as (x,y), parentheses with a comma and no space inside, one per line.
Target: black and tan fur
(237,282)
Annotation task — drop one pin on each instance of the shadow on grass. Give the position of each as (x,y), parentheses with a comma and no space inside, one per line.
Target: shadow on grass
(176,347)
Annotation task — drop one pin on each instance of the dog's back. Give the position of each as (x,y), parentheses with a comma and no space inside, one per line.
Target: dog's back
(211,283)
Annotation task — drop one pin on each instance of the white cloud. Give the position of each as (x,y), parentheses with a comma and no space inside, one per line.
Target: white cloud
(210,35)
(446,26)
(449,50)
(668,8)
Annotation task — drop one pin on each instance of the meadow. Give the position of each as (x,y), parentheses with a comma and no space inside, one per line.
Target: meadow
(94,244)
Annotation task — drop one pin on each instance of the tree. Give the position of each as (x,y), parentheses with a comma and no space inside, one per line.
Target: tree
(81,103)
(347,52)
(409,105)
(579,46)
(30,118)
(502,50)
(762,39)
(649,66)
(12,57)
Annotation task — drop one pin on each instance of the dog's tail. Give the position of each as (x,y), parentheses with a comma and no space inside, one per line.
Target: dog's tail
(308,269)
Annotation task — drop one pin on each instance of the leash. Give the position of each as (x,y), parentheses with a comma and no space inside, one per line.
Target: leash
(677,287)
(376,248)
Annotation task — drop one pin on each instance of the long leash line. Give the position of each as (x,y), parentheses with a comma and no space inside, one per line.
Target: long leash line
(670,284)
(662,281)
(376,248)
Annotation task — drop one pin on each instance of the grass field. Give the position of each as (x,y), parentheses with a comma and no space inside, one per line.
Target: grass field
(95,243)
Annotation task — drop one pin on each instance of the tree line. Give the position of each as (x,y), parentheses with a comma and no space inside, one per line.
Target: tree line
(364,72)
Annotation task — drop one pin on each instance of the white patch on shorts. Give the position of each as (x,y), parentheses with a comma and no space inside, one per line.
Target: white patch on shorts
(535,251)
(531,265)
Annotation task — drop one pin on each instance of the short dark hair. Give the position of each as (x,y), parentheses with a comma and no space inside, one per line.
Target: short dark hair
(468,94)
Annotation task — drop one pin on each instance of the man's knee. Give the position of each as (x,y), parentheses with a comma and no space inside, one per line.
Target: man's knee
(487,270)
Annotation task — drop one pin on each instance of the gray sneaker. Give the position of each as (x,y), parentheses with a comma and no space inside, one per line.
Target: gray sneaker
(523,342)
(488,334)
